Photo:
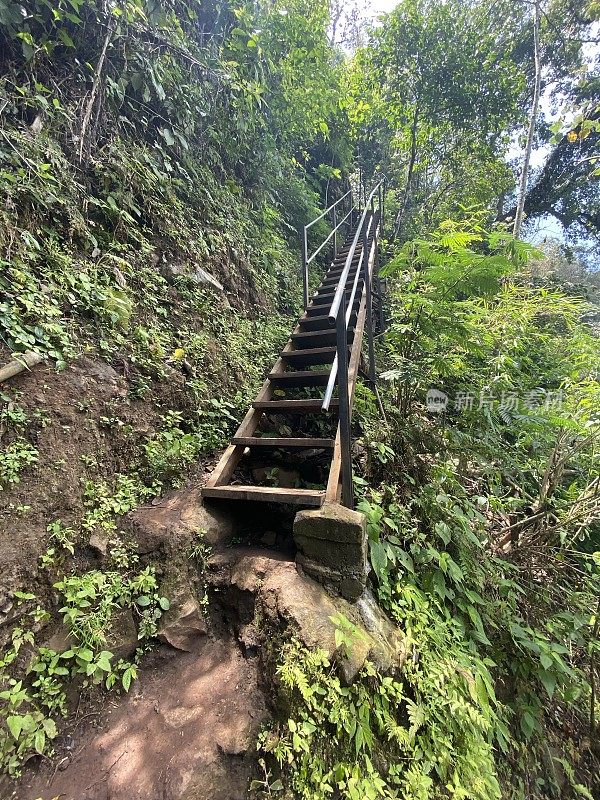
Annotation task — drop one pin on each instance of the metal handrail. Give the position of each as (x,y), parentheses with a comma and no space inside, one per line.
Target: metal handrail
(333,374)
(340,315)
(306,259)
(328,239)
(335,304)
(327,210)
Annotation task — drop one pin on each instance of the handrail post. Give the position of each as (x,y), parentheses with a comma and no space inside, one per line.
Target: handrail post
(379,290)
(334,232)
(344,404)
(305,268)
(359,189)
(351,208)
(369,301)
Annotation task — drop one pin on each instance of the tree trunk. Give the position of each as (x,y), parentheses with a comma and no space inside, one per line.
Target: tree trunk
(532,120)
(411,167)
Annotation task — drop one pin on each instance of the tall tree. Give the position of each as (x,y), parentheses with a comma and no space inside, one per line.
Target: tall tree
(444,89)
(532,119)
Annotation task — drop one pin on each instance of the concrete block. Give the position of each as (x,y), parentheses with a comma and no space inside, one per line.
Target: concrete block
(332,548)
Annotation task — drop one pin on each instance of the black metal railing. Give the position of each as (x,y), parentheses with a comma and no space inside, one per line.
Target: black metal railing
(340,315)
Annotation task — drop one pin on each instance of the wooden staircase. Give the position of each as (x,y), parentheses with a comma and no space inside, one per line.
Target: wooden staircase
(288,425)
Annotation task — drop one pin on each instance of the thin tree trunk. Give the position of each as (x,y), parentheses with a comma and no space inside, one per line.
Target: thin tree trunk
(532,121)
(411,167)
(83,139)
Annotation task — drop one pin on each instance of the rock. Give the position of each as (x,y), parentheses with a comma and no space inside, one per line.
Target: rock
(122,636)
(237,738)
(177,519)
(60,640)
(37,124)
(99,541)
(201,276)
(283,597)
(198,276)
(107,382)
(269,539)
(6,606)
(284,478)
(183,625)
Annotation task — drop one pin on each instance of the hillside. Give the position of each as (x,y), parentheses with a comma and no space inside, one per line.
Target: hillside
(158,162)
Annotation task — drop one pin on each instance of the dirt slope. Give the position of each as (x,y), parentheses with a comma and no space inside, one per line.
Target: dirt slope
(183,732)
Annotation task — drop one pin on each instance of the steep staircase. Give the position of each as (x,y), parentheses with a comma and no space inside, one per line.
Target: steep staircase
(293,445)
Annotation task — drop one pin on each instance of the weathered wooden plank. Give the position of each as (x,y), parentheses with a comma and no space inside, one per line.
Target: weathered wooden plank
(283,441)
(267,494)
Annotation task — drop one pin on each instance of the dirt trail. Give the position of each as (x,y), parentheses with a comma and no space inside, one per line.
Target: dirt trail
(182,733)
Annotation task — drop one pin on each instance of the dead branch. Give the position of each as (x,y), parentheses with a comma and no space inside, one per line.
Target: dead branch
(26,361)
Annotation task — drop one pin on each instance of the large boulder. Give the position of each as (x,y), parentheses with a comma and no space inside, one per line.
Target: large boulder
(270,594)
(183,625)
(173,521)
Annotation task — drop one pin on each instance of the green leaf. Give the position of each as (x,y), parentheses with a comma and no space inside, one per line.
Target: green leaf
(143,601)
(15,726)
(378,559)
(443,531)
(103,660)
(39,742)
(546,661)
(85,654)
(549,681)
(126,680)
(65,38)
(528,723)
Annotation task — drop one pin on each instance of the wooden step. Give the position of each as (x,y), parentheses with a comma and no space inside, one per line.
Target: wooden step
(284,442)
(335,271)
(309,377)
(309,357)
(333,282)
(321,322)
(318,309)
(293,406)
(323,301)
(267,494)
(326,294)
(314,323)
(317,338)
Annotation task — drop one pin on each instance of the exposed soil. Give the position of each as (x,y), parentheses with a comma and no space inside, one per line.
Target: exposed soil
(183,733)
(86,426)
